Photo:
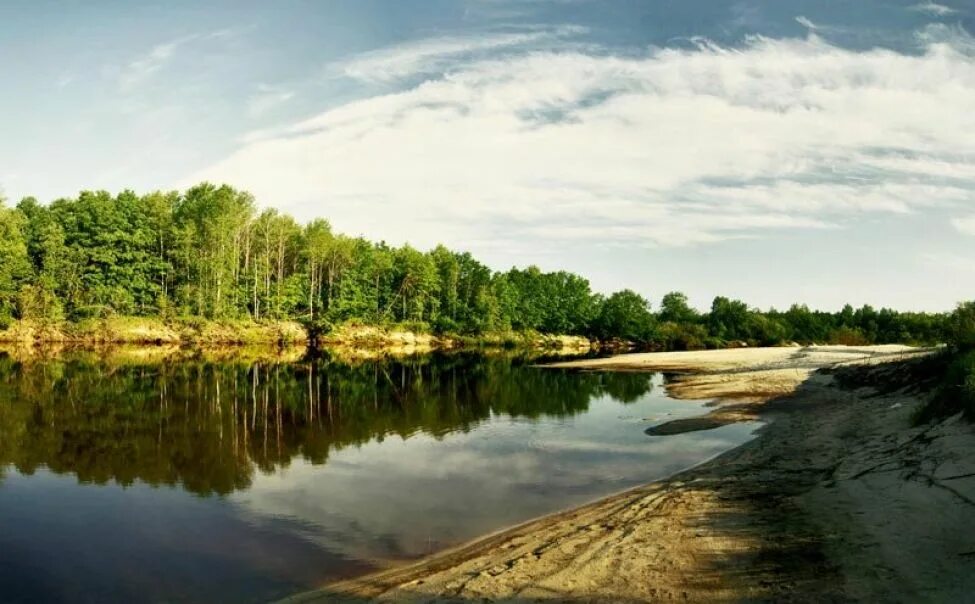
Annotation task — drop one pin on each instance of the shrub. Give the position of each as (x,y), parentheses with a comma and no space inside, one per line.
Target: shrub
(417,327)
(960,327)
(38,302)
(956,393)
(684,336)
(848,336)
(91,311)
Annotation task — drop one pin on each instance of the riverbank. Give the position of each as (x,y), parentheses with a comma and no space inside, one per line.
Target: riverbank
(149,332)
(365,340)
(839,498)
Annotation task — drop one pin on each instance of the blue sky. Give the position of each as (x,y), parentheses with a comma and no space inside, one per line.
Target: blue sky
(775,151)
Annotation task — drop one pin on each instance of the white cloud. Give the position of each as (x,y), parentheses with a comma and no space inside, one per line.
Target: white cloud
(432,55)
(65,80)
(267,98)
(931,8)
(144,66)
(965,224)
(676,147)
(805,22)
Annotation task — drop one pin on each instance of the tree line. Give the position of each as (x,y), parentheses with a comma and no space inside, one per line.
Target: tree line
(209,252)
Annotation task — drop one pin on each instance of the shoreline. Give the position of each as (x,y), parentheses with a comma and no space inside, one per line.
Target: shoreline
(199,333)
(823,504)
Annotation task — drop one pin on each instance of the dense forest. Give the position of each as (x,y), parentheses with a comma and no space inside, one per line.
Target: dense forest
(210,253)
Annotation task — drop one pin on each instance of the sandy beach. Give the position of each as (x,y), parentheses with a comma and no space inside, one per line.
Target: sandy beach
(839,498)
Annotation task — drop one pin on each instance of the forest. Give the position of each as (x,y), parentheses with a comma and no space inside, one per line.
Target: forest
(209,252)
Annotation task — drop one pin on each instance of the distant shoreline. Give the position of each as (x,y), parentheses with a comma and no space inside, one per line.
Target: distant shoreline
(809,510)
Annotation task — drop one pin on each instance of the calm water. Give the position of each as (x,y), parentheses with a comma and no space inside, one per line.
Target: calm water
(130,479)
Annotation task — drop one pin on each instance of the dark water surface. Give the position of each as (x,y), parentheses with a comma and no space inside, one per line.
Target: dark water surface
(128,478)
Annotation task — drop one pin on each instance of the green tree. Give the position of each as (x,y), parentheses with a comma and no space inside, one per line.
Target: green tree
(675,309)
(960,327)
(15,268)
(317,242)
(728,319)
(415,276)
(626,315)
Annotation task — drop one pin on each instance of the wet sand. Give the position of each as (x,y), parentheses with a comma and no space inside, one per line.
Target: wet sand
(839,498)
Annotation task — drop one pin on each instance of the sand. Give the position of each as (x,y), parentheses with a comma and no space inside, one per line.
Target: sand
(839,498)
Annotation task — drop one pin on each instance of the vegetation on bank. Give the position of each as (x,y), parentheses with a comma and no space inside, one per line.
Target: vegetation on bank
(956,391)
(149,330)
(207,264)
(946,378)
(210,334)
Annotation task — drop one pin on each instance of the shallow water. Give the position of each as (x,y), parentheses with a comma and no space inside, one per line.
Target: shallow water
(194,480)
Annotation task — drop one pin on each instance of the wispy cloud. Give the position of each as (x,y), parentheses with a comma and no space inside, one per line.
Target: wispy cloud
(965,224)
(267,98)
(676,147)
(432,54)
(931,8)
(143,67)
(805,22)
(65,80)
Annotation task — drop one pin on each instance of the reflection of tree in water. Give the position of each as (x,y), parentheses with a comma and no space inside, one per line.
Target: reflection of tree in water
(208,425)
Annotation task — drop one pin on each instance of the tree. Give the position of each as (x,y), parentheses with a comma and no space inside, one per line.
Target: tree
(448,274)
(415,276)
(159,208)
(960,327)
(805,326)
(728,319)
(681,336)
(625,315)
(527,297)
(15,266)
(57,272)
(570,304)
(317,241)
(212,227)
(675,309)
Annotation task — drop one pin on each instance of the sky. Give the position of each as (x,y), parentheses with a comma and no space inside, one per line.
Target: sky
(775,151)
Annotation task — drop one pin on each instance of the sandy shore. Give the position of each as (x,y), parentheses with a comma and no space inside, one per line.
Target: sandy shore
(838,499)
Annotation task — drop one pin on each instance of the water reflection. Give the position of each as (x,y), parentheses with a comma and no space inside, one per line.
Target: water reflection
(208,426)
(161,475)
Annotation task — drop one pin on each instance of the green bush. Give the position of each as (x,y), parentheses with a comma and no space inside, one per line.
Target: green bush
(319,326)
(956,393)
(848,336)
(37,302)
(960,327)
(92,311)
(711,344)
(417,327)
(684,336)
